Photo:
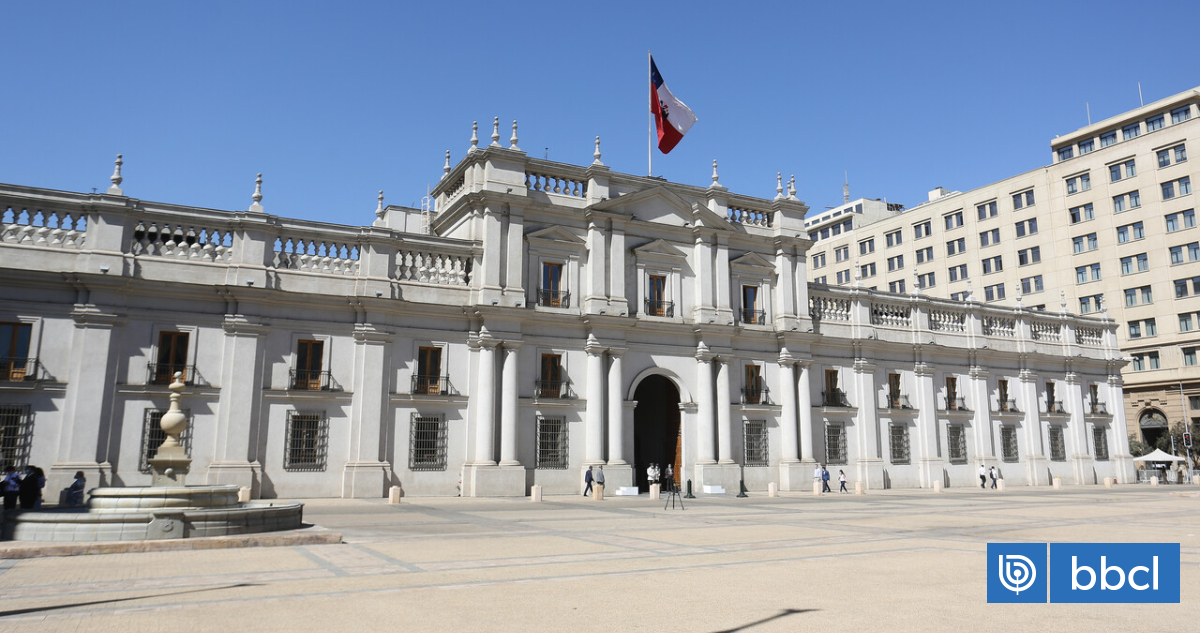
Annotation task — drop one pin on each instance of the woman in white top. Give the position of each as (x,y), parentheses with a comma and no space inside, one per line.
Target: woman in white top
(842,481)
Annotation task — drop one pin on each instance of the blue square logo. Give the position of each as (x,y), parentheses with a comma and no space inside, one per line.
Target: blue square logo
(1114,572)
(1016,572)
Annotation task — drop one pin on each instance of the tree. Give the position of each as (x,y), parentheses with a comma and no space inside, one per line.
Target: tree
(1137,448)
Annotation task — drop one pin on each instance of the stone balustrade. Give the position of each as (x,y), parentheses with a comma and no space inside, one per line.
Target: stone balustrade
(748,216)
(315,255)
(38,227)
(181,241)
(575,187)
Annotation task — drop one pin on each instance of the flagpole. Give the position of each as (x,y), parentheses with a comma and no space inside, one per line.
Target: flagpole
(650,131)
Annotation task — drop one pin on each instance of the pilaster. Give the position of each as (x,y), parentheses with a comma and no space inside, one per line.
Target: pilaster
(366,473)
(239,407)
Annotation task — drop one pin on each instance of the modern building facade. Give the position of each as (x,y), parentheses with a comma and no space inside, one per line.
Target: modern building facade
(541,318)
(1109,224)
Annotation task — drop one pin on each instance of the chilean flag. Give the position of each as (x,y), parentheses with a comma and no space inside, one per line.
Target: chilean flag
(672,117)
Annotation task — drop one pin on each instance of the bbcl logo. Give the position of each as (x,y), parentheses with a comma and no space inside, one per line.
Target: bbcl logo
(1083,572)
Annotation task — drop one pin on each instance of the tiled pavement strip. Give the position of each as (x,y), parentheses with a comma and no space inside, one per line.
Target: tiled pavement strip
(893,561)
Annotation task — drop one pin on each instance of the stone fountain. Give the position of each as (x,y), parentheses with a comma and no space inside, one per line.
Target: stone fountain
(166,509)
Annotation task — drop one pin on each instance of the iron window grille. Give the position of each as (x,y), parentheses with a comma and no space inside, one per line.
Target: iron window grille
(957,403)
(1008,406)
(306,442)
(899,444)
(552,389)
(756,393)
(164,373)
(16,430)
(1055,406)
(754,317)
(1008,443)
(430,385)
(551,298)
(835,398)
(153,436)
(552,443)
(427,442)
(660,308)
(956,443)
(311,380)
(1100,439)
(1058,446)
(898,401)
(835,443)
(1098,408)
(18,369)
(757,452)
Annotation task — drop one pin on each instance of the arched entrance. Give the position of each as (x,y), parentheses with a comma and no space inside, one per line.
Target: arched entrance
(656,437)
(1153,425)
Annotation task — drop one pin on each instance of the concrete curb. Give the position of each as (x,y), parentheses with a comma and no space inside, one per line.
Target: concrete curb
(40,549)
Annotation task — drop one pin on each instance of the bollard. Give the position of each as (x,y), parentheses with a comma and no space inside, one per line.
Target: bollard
(859,489)
(742,489)
(1108,482)
(937,486)
(598,492)
(394,494)
(243,494)
(689,494)
(816,488)
(535,493)
(655,491)
(1154,481)
(772,489)
(1196,480)
(999,485)
(1058,483)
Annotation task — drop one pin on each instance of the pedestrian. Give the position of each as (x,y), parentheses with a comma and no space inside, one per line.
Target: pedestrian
(842,481)
(670,476)
(587,479)
(11,486)
(75,491)
(599,480)
(817,474)
(825,480)
(41,480)
(993,474)
(29,490)
(982,476)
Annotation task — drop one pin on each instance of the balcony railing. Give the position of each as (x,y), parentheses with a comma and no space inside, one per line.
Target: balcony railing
(660,308)
(1008,406)
(311,380)
(835,398)
(430,385)
(164,373)
(553,298)
(1098,408)
(1055,406)
(898,401)
(755,395)
(18,369)
(552,389)
(754,317)
(956,403)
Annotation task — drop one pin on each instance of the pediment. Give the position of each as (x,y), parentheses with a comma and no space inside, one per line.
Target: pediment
(753,260)
(659,248)
(557,234)
(660,205)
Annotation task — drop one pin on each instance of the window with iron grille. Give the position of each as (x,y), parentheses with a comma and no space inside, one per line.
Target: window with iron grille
(552,437)
(1008,443)
(899,444)
(757,453)
(16,428)
(1058,446)
(427,442)
(153,436)
(1100,437)
(306,441)
(835,443)
(956,440)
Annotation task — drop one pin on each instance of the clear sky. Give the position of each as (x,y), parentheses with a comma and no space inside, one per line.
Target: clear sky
(333,101)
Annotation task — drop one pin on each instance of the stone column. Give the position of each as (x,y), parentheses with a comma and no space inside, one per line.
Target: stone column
(485,409)
(365,474)
(88,399)
(1076,432)
(790,449)
(593,449)
(985,444)
(1123,466)
(724,425)
(239,407)
(706,450)
(1032,452)
(929,459)
(804,397)
(616,410)
(509,394)
(870,444)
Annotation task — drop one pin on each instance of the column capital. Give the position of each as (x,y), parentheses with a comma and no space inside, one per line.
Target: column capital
(366,333)
(978,372)
(89,316)
(863,366)
(785,358)
(512,345)
(1115,380)
(1071,378)
(703,354)
(240,326)
(923,369)
(617,352)
(1026,375)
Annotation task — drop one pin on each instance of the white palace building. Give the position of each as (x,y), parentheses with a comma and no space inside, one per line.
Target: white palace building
(540,318)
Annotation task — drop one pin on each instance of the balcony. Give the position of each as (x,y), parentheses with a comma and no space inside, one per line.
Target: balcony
(18,369)
(552,389)
(164,373)
(311,380)
(1055,406)
(553,298)
(660,308)
(956,403)
(1008,406)
(1097,408)
(756,395)
(898,401)
(835,398)
(430,385)
(754,317)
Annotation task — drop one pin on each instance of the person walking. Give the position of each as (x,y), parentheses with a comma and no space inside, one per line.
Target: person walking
(993,474)
(29,490)
(11,487)
(825,480)
(598,495)
(670,476)
(75,491)
(817,473)
(842,481)
(982,476)
(587,479)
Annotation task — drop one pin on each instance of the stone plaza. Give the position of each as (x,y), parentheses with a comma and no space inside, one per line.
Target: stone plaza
(900,560)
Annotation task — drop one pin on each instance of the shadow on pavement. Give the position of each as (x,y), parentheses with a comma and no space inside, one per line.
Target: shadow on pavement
(781,614)
(94,602)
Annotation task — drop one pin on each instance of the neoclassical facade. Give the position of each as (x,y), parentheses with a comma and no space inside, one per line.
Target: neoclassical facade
(539,319)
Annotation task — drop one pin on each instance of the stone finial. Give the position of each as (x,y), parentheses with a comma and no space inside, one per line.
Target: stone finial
(116,178)
(512,141)
(170,463)
(916,287)
(596,154)
(1062,301)
(474,136)
(857,275)
(779,185)
(495,132)
(791,188)
(716,178)
(257,197)
(446,168)
(379,207)
(970,291)
(1020,297)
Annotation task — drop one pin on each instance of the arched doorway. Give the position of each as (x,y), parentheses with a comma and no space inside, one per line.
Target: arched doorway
(656,437)
(1153,424)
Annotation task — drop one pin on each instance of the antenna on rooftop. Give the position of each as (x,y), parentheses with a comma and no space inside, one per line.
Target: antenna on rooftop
(1089,111)
(427,212)
(846,188)
(1140,100)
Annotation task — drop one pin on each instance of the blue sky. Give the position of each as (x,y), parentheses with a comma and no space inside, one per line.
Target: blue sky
(334,101)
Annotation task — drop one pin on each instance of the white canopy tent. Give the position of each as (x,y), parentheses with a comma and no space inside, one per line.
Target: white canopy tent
(1158,456)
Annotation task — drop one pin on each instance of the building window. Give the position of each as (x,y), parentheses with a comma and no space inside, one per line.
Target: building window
(986,210)
(953,401)
(1183,186)
(552,447)
(922,229)
(1124,202)
(1154,123)
(1008,443)
(833,397)
(843,276)
(1027,227)
(1058,447)
(1090,304)
(896,286)
(1023,199)
(1185,322)
(1066,153)
(153,436)
(1131,131)
(1108,138)
(1132,294)
(755,441)
(1086,147)
(307,437)
(821,280)
(427,442)
(818,260)
(1180,115)
(1084,243)
(1145,360)
(16,431)
(953,220)
(993,264)
(1182,220)
(1130,232)
(550,382)
(752,312)
(1134,263)
(894,238)
(1029,256)
(1031,285)
(656,299)
(924,254)
(954,247)
(1120,171)
(307,375)
(867,270)
(1144,327)
(1081,214)
(1100,441)
(552,294)
(1194,402)
(753,389)
(1189,356)
(835,443)
(172,357)
(894,397)
(993,293)
(958,272)
(841,253)
(895,263)
(956,442)
(928,280)
(15,363)
(899,443)
(987,238)
(1076,184)
(1179,153)
(866,247)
